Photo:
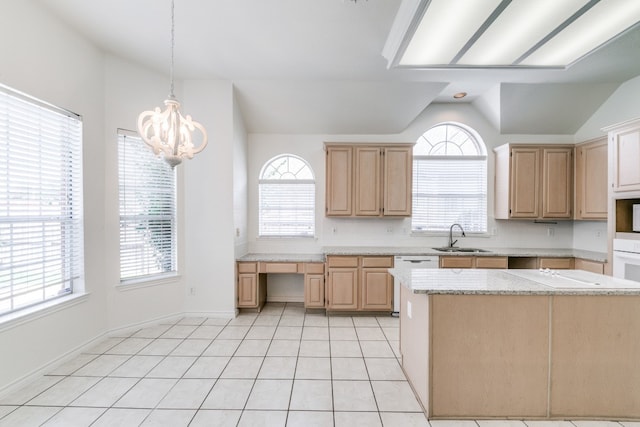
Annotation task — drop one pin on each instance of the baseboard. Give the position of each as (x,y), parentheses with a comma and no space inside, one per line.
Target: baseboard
(113,332)
(285,298)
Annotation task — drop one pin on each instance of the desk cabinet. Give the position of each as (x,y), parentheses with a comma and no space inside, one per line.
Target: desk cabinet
(251,286)
(314,289)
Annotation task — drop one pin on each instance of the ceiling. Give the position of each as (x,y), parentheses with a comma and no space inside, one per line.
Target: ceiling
(316,66)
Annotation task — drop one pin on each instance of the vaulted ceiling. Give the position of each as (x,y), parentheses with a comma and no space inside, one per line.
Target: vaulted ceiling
(316,66)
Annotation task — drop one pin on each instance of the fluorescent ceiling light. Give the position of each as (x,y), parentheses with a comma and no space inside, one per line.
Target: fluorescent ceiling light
(600,24)
(504,33)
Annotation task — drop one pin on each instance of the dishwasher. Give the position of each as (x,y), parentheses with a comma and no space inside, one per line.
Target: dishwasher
(409,261)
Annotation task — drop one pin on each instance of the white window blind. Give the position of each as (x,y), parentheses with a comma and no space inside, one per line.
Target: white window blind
(41,234)
(147,186)
(286,198)
(449,181)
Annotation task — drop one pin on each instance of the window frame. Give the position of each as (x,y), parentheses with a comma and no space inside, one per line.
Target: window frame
(166,176)
(46,188)
(266,181)
(481,149)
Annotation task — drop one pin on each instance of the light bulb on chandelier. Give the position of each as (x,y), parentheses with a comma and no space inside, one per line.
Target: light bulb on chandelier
(169,133)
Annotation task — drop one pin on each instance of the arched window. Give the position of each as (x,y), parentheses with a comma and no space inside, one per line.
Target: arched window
(449,180)
(287,198)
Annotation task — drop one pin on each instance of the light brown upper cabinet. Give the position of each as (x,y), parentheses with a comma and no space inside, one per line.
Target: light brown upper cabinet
(591,180)
(534,181)
(625,142)
(368,180)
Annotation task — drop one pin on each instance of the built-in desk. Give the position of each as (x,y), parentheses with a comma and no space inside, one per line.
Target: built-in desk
(252,273)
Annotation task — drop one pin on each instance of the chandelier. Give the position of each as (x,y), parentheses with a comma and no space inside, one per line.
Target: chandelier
(168,133)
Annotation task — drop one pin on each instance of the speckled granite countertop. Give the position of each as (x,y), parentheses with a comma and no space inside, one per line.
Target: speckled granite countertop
(511,282)
(405,250)
(282,258)
(512,252)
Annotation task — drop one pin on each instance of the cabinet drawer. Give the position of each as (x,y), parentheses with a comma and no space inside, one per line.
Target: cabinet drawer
(278,267)
(556,263)
(247,267)
(456,262)
(314,268)
(342,261)
(492,262)
(384,261)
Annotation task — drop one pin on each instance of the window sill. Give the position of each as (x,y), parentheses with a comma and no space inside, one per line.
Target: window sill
(133,284)
(286,237)
(11,320)
(415,233)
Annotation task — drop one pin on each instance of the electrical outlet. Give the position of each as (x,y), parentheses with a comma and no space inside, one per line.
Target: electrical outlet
(494,231)
(192,291)
(237,232)
(409,309)
(551,231)
(389,229)
(598,234)
(334,230)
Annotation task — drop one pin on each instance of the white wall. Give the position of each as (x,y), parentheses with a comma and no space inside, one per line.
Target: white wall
(41,57)
(240,196)
(129,90)
(209,201)
(621,106)
(393,232)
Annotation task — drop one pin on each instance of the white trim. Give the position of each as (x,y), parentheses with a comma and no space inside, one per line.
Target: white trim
(213,314)
(284,298)
(65,357)
(133,284)
(20,317)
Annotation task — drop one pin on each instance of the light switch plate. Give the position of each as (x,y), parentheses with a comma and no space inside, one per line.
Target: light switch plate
(409,309)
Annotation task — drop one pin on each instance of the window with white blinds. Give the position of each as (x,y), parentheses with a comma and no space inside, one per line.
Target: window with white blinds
(147,186)
(41,252)
(449,180)
(287,193)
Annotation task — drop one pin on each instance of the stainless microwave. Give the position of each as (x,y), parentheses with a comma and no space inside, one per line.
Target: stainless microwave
(636,217)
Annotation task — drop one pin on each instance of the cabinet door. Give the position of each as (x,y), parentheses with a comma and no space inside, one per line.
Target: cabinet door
(398,175)
(556,263)
(557,182)
(456,262)
(247,290)
(314,290)
(367,181)
(591,180)
(377,289)
(492,262)
(588,265)
(525,183)
(626,158)
(342,289)
(339,181)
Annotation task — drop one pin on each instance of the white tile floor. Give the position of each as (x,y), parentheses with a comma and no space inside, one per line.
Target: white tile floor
(283,367)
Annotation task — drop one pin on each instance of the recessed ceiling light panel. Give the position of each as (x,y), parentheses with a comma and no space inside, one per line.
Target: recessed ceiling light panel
(505,33)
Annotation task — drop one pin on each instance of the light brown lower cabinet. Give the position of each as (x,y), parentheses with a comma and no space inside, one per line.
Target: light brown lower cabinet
(588,265)
(251,287)
(359,283)
(314,289)
(522,356)
(556,263)
(474,262)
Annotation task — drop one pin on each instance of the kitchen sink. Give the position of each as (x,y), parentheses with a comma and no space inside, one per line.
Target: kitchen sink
(456,249)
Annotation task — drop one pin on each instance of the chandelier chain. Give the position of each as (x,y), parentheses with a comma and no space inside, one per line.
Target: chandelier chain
(171,95)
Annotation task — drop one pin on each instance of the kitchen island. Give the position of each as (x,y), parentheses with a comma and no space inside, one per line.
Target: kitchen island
(521,343)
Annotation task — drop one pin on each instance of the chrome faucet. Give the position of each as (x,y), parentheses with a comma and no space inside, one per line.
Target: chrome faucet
(451,241)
